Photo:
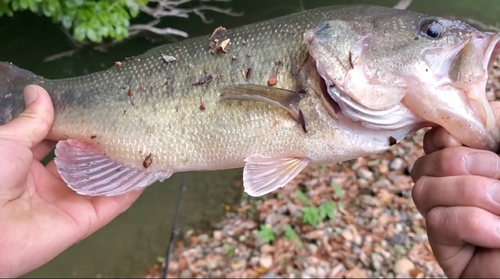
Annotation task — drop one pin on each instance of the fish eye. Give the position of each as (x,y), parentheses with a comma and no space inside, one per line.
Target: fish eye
(432,29)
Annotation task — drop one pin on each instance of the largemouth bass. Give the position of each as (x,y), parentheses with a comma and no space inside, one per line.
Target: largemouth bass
(320,86)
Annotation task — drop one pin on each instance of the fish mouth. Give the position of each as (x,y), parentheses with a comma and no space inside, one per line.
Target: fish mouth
(398,121)
(454,100)
(461,106)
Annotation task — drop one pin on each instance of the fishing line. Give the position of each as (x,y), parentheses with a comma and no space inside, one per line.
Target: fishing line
(175,230)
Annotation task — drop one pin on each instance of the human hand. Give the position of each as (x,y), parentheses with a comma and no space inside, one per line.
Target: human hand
(457,190)
(40,216)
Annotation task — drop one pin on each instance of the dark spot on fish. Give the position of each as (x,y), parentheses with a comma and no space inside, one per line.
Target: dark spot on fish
(147,161)
(273,79)
(124,111)
(392,141)
(302,93)
(416,38)
(93,136)
(248,74)
(248,54)
(129,59)
(302,121)
(280,62)
(202,105)
(204,79)
(131,94)
(165,84)
(350,60)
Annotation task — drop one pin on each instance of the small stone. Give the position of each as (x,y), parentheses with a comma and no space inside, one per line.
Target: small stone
(396,164)
(186,273)
(312,248)
(217,235)
(266,261)
(403,266)
(321,273)
(311,271)
(242,238)
(377,260)
(366,174)
(398,239)
(203,238)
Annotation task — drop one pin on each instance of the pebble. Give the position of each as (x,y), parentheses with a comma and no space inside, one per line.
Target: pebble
(217,235)
(366,174)
(203,238)
(266,261)
(377,260)
(398,239)
(186,273)
(312,248)
(396,164)
(403,266)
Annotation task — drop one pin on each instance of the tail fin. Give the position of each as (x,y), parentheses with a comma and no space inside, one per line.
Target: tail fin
(12,82)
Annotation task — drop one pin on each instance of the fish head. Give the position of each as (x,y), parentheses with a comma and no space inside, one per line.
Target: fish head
(400,70)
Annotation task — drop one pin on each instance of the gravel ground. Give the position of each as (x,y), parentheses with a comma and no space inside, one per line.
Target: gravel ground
(355,219)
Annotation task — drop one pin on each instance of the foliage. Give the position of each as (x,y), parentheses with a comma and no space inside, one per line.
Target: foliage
(86,19)
(266,234)
(314,215)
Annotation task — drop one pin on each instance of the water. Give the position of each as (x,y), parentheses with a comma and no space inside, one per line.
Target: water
(130,243)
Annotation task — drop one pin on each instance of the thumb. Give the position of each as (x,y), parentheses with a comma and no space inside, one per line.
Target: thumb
(34,123)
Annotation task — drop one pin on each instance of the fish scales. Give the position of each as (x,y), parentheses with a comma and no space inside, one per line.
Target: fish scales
(166,120)
(320,86)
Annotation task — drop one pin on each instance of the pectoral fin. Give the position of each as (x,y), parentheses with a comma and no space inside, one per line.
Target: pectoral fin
(282,98)
(262,175)
(89,172)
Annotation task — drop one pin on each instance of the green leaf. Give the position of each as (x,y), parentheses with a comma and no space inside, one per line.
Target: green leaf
(302,197)
(290,233)
(311,215)
(339,192)
(328,209)
(266,234)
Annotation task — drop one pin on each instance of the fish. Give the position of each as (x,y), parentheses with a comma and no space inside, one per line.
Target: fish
(320,86)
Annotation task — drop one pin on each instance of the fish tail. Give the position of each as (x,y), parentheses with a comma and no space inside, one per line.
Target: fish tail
(12,82)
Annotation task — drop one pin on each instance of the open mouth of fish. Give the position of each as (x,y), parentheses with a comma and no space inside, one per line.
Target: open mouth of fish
(455,99)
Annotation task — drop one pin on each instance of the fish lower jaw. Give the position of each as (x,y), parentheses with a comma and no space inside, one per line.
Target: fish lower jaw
(396,122)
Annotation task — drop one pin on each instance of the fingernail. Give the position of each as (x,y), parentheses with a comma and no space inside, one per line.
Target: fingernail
(494,191)
(482,163)
(30,95)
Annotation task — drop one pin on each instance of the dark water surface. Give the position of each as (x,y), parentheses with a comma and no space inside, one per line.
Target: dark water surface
(130,243)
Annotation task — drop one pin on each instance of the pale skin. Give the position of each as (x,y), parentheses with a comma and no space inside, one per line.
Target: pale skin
(452,192)
(40,216)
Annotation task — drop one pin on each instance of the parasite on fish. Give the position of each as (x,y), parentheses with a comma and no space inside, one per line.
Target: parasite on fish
(331,84)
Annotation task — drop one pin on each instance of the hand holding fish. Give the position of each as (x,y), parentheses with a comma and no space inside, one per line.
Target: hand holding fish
(457,191)
(40,216)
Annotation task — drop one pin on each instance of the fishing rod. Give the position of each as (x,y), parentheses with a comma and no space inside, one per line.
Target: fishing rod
(175,230)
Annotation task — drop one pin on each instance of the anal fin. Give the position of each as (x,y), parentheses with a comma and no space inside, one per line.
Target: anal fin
(262,175)
(89,172)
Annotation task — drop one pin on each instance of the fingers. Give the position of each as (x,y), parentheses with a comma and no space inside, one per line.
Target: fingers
(43,149)
(477,226)
(476,191)
(457,161)
(15,162)
(455,231)
(438,138)
(34,123)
